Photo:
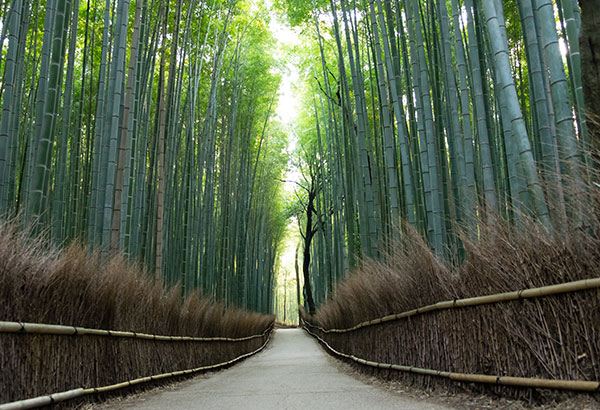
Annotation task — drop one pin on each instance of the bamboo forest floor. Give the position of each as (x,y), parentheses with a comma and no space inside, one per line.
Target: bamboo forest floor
(293,372)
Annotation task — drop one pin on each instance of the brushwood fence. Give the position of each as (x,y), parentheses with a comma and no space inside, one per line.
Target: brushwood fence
(546,337)
(46,364)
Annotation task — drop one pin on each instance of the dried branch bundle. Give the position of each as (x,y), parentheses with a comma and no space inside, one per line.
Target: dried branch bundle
(551,337)
(74,288)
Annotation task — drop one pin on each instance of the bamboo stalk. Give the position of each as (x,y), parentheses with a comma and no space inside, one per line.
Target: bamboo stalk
(578,385)
(39,328)
(71,394)
(532,293)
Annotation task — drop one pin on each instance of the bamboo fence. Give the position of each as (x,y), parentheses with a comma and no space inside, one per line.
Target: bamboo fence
(75,393)
(569,287)
(576,385)
(40,328)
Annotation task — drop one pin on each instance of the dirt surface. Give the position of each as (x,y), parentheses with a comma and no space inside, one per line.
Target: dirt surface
(293,372)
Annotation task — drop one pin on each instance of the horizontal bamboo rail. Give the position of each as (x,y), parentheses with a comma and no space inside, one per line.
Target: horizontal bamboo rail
(71,394)
(568,287)
(576,385)
(39,328)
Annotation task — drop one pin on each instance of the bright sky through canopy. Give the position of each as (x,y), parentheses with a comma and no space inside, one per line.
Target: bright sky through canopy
(286,39)
(286,113)
(288,106)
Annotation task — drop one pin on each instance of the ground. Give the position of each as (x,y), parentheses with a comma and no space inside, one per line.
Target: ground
(294,372)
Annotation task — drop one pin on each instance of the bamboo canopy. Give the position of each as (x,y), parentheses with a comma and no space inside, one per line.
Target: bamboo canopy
(444,119)
(143,128)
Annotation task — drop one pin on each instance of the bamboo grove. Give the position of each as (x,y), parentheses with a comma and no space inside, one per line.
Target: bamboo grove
(439,114)
(143,127)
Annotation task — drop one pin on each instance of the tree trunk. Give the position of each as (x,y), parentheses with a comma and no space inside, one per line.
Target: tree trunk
(308,235)
(297,275)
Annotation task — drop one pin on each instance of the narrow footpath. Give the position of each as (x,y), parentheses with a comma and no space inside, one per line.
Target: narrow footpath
(293,372)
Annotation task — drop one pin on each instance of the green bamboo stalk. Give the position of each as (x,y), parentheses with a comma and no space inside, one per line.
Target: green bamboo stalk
(116,238)
(519,132)
(395,85)
(38,195)
(8,90)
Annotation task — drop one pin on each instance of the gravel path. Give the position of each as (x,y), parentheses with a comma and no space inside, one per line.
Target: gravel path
(291,373)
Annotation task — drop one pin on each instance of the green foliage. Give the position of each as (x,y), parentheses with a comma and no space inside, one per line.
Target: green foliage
(180,118)
(432,114)
(298,12)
